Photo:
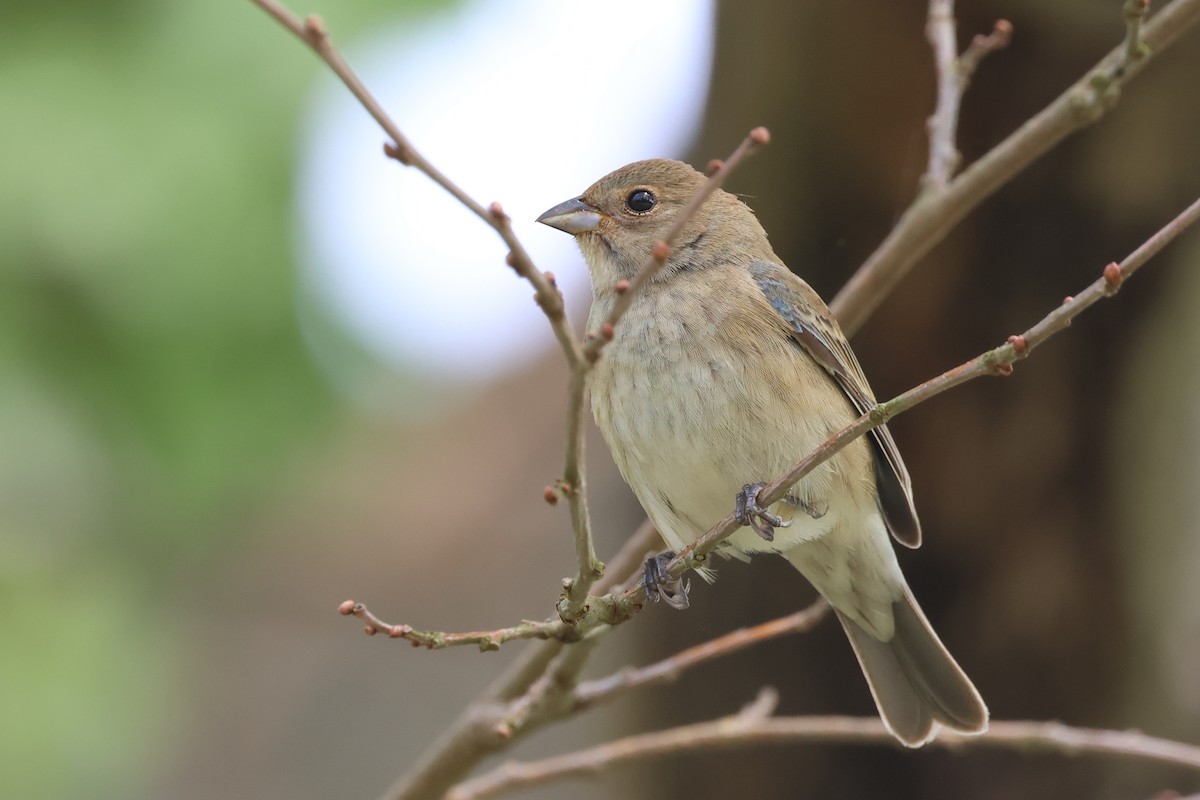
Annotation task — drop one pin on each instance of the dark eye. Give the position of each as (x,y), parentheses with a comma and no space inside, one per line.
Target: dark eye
(640,201)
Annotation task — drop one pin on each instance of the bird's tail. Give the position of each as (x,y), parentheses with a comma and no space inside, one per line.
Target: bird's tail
(915,681)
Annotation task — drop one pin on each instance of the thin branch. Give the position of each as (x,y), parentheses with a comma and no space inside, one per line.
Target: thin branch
(953,78)
(941,31)
(602,690)
(980,47)
(746,730)
(935,213)
(574,487)
(438,640)
(480,729)
(312,32)
(1135,12)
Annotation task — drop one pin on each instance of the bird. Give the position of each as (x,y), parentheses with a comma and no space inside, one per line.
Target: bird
(725,369)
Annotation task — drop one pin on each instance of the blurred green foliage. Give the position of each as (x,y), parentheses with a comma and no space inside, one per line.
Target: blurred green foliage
(153,383)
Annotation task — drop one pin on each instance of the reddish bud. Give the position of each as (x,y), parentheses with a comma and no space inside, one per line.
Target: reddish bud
(396,632)
(760,136)
(497,212)
(551,279)
(346,608)
(1113,276)
(1019,344)
(511,259)
(370,630)
(398,152)
(1003,28)
(1004,370)
(315,26)
(621,286)
(1068,299)
(565,487)
(660,251)
(606,330)
(550,496)
(504,730)
(714,167)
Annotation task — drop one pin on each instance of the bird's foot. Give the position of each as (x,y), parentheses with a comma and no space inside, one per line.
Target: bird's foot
(748,512)
(661,586)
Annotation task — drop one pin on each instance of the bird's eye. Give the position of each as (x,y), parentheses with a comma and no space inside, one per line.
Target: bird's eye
(640,201)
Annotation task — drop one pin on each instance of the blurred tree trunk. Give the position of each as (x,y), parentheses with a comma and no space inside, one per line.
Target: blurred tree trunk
(1028,556)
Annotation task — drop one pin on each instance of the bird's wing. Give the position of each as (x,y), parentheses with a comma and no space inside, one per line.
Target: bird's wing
(823,340)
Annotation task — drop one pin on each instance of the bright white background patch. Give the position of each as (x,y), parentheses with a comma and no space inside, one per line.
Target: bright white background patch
(526,103)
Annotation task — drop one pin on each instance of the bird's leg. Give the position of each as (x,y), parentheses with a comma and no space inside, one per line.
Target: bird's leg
(816,512)
(748,512)
(661,586)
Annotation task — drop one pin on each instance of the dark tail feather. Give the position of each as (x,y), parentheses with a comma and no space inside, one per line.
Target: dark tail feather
(914,679)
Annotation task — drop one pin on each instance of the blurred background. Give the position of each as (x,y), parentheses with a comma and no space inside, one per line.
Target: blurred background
(249,367)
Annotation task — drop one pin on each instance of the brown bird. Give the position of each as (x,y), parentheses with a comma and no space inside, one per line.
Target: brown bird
(725,370)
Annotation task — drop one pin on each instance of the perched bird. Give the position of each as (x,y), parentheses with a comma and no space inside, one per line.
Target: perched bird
(724,371)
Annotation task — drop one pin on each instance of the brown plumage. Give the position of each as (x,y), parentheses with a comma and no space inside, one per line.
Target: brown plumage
(725,370)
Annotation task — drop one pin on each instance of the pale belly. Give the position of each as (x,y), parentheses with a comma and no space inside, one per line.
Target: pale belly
(688,434)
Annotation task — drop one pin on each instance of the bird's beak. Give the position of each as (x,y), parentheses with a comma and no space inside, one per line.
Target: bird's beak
(573,216)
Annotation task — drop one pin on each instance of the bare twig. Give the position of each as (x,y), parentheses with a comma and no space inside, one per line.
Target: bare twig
(953,76)
(935,213)
(980,47)
(312,32)
(941,31)
(669,669)
(749,730)
(437,640)
(1135,12)
(481,728)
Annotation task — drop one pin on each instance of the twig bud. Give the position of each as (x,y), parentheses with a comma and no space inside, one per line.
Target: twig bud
(714,167)
(621,286)
(496,211)
(399,152)
(607,331)
(1020,346)
(760,136)
(346,608)
(314,26)
(550,496)
(1113,277)
(370,630)
(551,279)
(660,251)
